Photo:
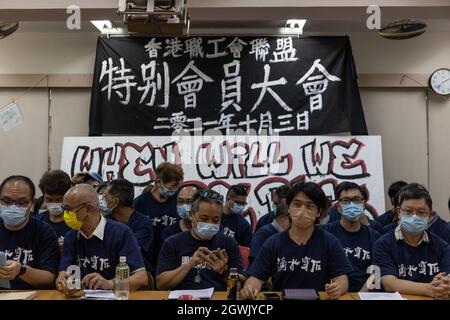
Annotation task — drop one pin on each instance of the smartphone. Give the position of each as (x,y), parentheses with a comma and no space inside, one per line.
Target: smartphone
(271,296)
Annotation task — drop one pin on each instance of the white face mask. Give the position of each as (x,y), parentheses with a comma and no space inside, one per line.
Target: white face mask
(55,209)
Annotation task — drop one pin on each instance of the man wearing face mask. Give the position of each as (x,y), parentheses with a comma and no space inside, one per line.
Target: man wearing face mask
(119,197)
(184,204)
(95,244)
(413,260)
(54,184)
(356,238)
(201,257)
(160,203)
(280,224)
(233,223)
(31,246)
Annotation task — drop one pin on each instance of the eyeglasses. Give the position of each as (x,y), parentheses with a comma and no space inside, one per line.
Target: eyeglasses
(68,208)
(9,202)
(410,212)
(355,200)
(209,195)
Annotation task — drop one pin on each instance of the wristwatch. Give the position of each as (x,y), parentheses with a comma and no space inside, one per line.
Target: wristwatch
(23,269)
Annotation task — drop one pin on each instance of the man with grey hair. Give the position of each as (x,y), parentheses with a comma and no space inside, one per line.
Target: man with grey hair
(199,258)
(95,244)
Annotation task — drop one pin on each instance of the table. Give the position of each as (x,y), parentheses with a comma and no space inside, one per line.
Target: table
(162,295)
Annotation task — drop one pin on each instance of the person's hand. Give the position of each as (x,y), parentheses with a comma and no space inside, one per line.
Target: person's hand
(218,261)
(96,281)
(249,292)
(199,256)
(61,285)
(439,287)
(11,271)
(333,290)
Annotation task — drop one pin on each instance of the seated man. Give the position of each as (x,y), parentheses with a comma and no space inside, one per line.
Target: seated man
(119,198)
(304,256)
(31,246)
(201,257)
(96,244)
(233,223)
(280,224)
(413,260)
(54,184)
(184,204)
(160,202)
(356,238)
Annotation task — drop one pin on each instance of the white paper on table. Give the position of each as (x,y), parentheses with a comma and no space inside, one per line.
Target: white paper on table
(202,294)
(99,294)
(380,296)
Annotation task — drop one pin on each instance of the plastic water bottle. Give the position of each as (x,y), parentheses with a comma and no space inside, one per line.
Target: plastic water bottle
(122,280)
(233,285)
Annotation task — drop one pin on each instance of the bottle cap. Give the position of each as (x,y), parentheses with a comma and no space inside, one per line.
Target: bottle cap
(123,259)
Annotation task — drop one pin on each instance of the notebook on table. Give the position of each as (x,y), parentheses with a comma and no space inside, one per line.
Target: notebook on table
(301,294)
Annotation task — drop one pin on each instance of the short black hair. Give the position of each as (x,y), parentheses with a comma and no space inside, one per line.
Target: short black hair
(20,178)
(414,191)
(312,191)
(55,182)
(209,196)
(395,187)
(122,189)
(237,190)
(282,191)
(347,185)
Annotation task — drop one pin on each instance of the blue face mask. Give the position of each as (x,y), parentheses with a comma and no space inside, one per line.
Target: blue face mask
(165,192)
(352,211)
(104,206)
(413,224)
(237,208)
(183,211)
(206,231)
(13,215)
(274,209)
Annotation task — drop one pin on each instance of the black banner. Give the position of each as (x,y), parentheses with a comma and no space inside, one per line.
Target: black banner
(283,85)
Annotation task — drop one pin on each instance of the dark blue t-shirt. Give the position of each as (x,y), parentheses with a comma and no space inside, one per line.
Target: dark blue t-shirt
(162,215)
(102,256)
(358,247)
(36,245)
(294,266)
(264,220)
(61,228)
(418,264)
(170,231)
(143,231)
(386,218)
(235,226)
(333,215)
(259,238)
(178,249)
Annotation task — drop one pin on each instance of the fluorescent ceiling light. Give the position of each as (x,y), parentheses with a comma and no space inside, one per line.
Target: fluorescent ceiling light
(107,27)
(294,26)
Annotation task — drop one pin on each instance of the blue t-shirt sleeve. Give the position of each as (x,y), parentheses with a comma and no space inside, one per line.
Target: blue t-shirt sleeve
(69,256)
(167,259)
(144,234)
(234,255)
(130,249)
(382,257)
(49,254)
(246,236)
(261,267)
(338,263)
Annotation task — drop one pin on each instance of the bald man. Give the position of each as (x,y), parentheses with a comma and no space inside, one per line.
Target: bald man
(184,204)
(95,244)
